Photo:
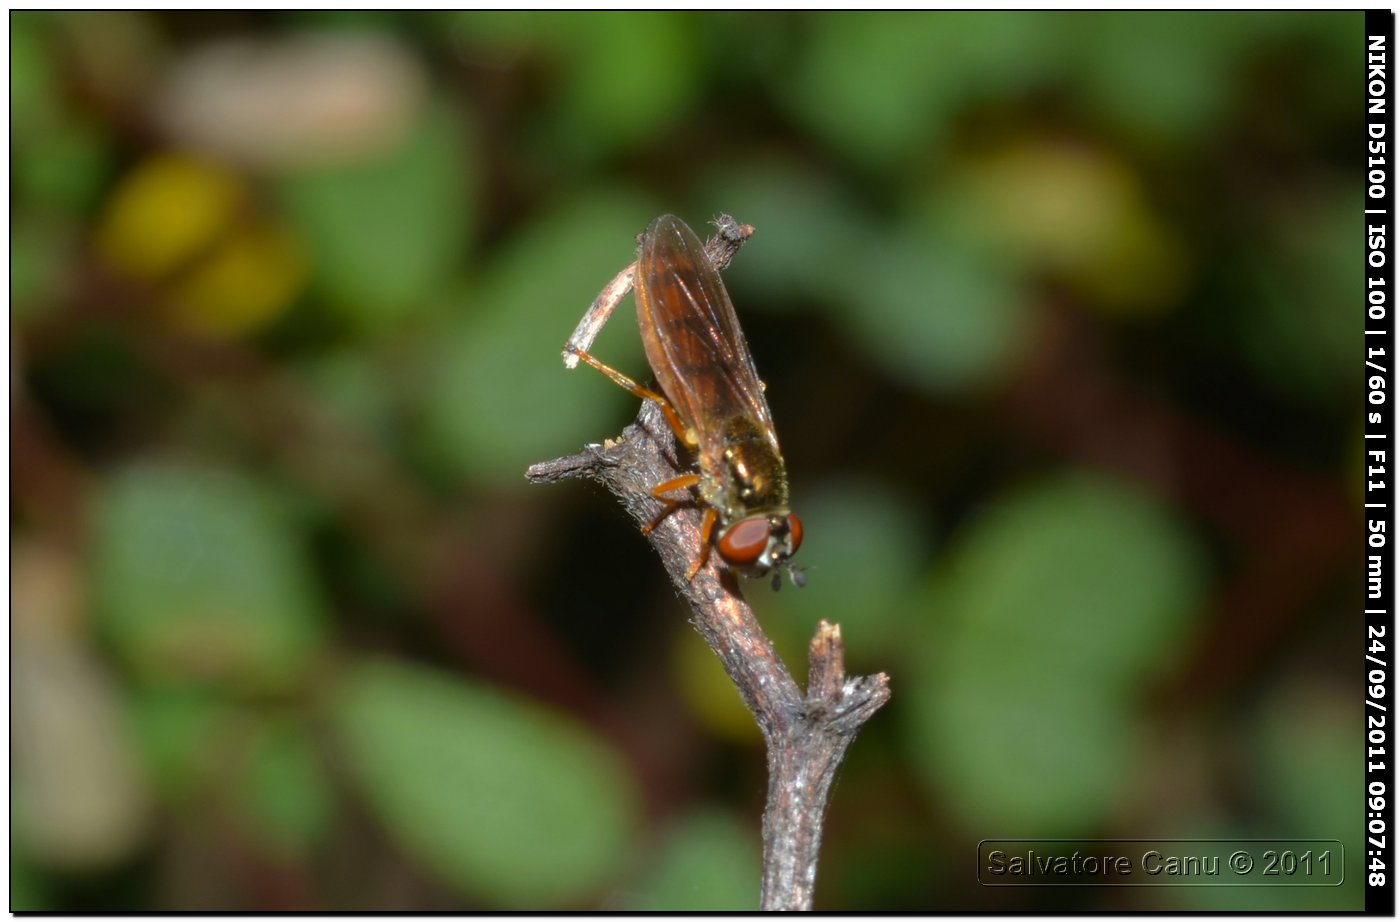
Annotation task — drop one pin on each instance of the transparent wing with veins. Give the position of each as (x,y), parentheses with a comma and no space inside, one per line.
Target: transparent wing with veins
(692,337)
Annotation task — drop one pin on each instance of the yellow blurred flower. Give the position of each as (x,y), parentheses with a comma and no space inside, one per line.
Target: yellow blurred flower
(188,227)
(164,213)
(243,285)
(707,691)
(1082,214)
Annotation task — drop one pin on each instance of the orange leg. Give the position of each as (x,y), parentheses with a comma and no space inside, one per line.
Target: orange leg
(621,380)
(707,529)
(683,482)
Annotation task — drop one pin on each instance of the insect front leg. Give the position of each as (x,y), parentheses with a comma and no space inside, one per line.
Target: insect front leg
(672,419)
(591,324)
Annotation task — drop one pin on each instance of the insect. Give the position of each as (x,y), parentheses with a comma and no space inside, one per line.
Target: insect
(712,398)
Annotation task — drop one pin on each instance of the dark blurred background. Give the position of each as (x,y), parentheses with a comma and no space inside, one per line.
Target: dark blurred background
(1060,319)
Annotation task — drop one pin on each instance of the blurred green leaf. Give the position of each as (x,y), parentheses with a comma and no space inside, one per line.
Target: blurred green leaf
(1160,73)
(1311,779)
(1328,40)
(386,236)
(930,308)
(498,396)
(33,91)
(27,890)
(1055,610)
(1031,750)
(200,579)
(174,727)
(1081,572)
(708,862)
(621,77)
(510,802)
(880,86)
(285,789)
(632,75)
(64,166)
(58,159)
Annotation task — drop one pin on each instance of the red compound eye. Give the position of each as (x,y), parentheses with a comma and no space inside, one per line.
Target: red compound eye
(795,529)
(744,542)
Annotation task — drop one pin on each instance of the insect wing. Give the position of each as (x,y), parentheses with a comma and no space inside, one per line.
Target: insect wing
(692,335)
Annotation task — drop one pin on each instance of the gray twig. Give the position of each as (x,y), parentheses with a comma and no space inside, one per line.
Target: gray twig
(806,734)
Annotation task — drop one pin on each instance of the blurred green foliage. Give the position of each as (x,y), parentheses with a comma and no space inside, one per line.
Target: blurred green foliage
(1055,314)
(378,231)
(709,862)
(1046,745)
(507,800)
(197,580)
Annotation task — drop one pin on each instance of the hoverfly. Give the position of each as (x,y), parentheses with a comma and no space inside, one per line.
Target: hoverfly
(712,398)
